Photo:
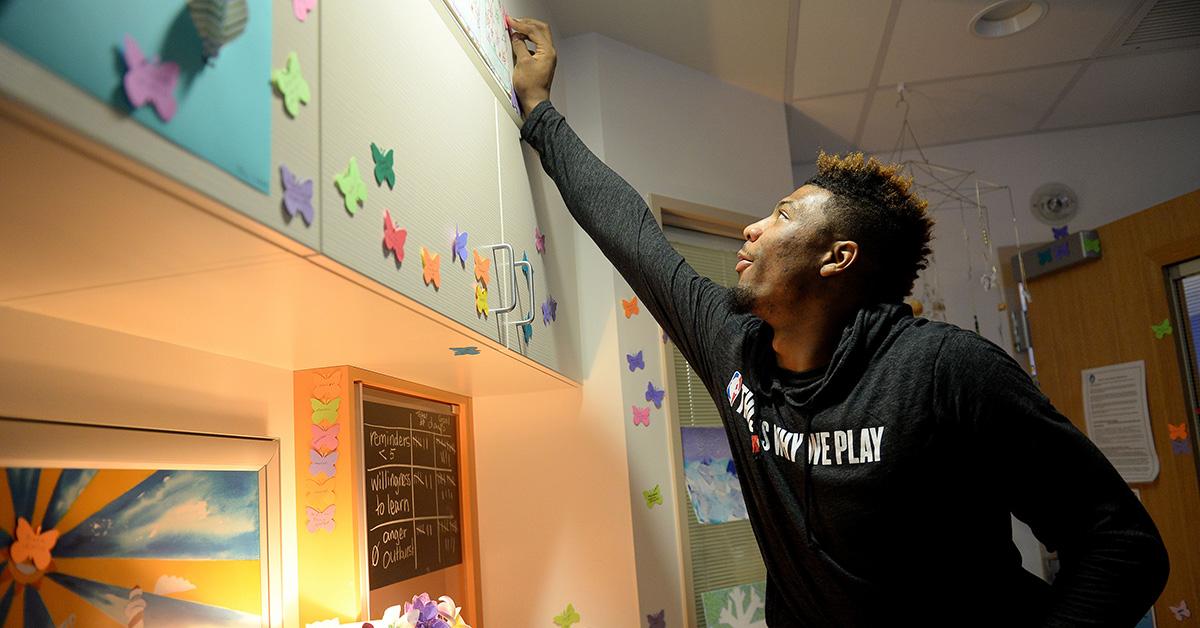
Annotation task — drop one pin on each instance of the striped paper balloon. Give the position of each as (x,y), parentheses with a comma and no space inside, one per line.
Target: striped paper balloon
(218,22)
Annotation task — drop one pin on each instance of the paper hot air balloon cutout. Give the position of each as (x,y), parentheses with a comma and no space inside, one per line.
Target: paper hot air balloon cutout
(218,22)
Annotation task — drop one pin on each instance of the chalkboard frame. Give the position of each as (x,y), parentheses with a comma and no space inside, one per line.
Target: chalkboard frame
(371,392)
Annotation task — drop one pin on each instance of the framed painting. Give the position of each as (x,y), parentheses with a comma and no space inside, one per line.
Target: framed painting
(115,526)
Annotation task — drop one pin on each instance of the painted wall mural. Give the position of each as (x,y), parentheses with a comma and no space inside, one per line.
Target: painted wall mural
(132,548)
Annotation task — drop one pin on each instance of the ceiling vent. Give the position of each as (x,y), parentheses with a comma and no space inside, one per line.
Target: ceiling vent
(1159,24)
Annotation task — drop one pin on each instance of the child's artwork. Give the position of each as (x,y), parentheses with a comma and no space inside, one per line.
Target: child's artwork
(712,481)
(736,607)
(125,547)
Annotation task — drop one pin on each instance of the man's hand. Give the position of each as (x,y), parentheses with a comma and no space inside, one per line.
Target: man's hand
(532,72)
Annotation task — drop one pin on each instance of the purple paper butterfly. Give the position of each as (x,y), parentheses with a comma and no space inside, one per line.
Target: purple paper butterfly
(657,620)
(549,311)
(654,395)
(1059,232)
(319,519)
(297,196)
(1061,249)
(322,464)
(635,361)
(539,240)
(459,247)
(150,81)
(1181,447)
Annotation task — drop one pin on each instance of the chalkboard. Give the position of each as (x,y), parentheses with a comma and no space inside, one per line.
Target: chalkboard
(410,470)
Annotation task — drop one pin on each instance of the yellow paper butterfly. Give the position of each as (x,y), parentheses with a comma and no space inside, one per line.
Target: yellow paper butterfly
(481,306)
(325,412)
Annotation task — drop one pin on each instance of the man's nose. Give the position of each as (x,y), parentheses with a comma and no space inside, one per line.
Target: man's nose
(752,231)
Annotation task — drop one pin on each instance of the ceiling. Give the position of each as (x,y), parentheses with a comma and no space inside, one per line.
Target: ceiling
(838,63)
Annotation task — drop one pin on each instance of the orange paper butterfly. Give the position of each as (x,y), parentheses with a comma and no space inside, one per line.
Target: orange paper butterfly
(631,307)
(328,386)
(33,544)
(1178,432)
(482,264)
(431,268)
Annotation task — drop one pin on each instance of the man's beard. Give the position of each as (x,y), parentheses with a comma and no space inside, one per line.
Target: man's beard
(742,300)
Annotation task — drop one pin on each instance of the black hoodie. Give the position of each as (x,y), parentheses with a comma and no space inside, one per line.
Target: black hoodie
(880,490)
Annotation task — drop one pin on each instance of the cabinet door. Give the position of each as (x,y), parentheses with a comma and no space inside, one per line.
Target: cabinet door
(395,76)
(70,67)
(530,201)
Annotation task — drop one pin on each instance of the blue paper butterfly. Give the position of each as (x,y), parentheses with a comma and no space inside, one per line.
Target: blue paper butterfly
(654,395)
(635,361)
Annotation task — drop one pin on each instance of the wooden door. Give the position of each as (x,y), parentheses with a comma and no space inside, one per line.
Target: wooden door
(1100,313)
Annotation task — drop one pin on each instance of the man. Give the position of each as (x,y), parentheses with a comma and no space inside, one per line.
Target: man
(880,455)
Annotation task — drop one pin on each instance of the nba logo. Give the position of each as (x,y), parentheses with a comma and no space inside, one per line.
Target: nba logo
(734,387)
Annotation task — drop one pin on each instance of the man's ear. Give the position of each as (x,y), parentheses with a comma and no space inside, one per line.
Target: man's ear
(841,255)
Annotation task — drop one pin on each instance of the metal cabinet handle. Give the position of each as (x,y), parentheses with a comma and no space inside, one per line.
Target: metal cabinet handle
(501,309)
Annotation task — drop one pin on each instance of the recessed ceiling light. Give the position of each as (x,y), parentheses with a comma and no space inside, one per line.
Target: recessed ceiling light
(1008,17)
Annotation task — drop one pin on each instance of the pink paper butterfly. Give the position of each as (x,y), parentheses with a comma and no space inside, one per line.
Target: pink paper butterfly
(1180,611)
(322,464)
(320,519)
(327,439)
(300,8)
(539,240)
(641,415)
(150,81)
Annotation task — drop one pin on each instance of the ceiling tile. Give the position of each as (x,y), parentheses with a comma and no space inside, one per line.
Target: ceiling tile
(965,109)
(826,123)
(1118,89)
(932,38)
(824,63)
(741,43)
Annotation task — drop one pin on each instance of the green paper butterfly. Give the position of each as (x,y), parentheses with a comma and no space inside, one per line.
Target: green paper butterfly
(1092,246)
(325,412)
(1044,257)
(568,617)
(351,185)
(291,85)
(383,166)
(1162,329)
(653,496)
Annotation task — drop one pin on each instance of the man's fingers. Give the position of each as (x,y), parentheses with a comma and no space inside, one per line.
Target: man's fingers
(520,50)
(536,30)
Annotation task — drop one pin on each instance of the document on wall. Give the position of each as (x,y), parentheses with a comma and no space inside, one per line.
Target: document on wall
(1117,415)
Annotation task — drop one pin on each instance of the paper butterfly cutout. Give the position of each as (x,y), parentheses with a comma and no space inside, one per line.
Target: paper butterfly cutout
(291,85)
(568,617)
(150,81)
(527,332)
(34,545)
(319,484)
(481,306)
(300,8)
(635,361)
(431,268)
(322,464)
(319,492)
(1162,329)
(539,240)
(325,439)
(325,412)
(630,306)
(657,620)
(1181,447)
(465,350)
(1062,249)
(69,622)
(988,280)
(549,311)
(1091,245)
(320,519)
(393,238)
(1044,257)
(1180,610)
(297,196)
(352,187)
(383,166)
(328,386)
(525,269)
(482,265)
(641,415)
(652,496)
(458,248)
(1177,432)
(654,395)
(1059,232)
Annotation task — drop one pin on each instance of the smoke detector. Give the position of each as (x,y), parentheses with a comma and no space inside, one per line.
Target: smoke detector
(1007,18)
(1054,204)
